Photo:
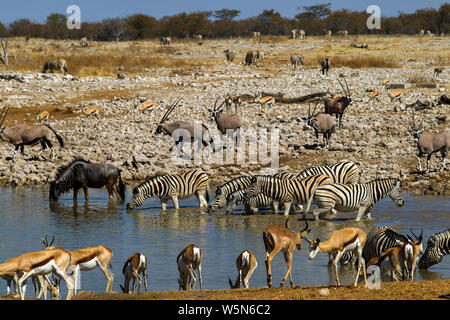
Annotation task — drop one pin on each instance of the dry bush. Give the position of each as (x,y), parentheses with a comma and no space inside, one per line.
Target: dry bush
(419,78)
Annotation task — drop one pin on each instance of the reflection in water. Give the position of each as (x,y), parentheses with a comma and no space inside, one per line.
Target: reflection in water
(27,215)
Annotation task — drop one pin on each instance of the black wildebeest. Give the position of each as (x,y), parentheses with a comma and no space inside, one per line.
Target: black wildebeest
(325,64)
(81,173)
(28,135)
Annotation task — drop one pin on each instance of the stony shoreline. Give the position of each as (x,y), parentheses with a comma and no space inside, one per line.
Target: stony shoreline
(375,135)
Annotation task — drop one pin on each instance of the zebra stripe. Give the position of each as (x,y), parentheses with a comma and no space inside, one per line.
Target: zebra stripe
(437,247)
(287,191)
(380,239)
(251,204)
(362,197)
(344,172)
(224,190)
(172,187)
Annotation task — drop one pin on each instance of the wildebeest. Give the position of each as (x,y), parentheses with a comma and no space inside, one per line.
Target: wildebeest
(325,64)
(339,104)
(250,58)
(28,135)
(81,173)
(297,59)
(58,64)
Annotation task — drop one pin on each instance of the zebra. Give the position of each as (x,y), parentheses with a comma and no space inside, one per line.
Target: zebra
(251,205)
(287,191)
(362,197)
(345,172)
(224,190)
(438,246)
(172,187)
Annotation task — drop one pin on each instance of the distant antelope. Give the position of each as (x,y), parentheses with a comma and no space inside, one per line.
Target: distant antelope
(294,33)
(429,143)
(297,59)
(327,33)
(267,100)
(147,106)
(188,260)
(245,264)
(182,130)
(280,238)
(342,33)
(255,34)
(373,95)
(386,83)
(229,55)
(338,105)
(58,64)
(322,123)
(135,264)
(28,135)
(44,115)
(395,95)
(230,100)
(259,56)
(165,41)
(438,70)
(325,65)
(226,122)
(91,111)
(340,241)
(421,32)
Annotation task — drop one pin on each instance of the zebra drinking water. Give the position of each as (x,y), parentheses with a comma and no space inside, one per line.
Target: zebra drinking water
(172,187)
(437,247)
(362,197)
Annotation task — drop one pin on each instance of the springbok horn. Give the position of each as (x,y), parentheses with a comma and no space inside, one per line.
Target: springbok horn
(44,241)
(53,239)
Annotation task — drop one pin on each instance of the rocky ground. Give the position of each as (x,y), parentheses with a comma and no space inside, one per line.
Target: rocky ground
(375,135)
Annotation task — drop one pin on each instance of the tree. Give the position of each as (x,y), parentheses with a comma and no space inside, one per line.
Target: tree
(316,12)
(226,14)
(56,26)
(141,26)
(115,29)
(3,30)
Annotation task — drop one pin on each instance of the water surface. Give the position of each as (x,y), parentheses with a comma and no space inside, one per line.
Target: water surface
(26,216)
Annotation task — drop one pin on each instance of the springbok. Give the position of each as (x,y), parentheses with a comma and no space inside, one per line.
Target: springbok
(386,83)
(402,259)
(246,264)
(147,106)
(91,111)
(342,33)
(280,238)
(87,259)
(373,95)
(135,264)
(267,100)
(43,262)
(395,95)
(43,116)
(188,260)
(28,135)
(438,70)
(429,143)
(340,241)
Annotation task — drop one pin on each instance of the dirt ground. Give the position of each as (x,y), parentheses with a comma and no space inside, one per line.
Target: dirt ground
(416,290)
